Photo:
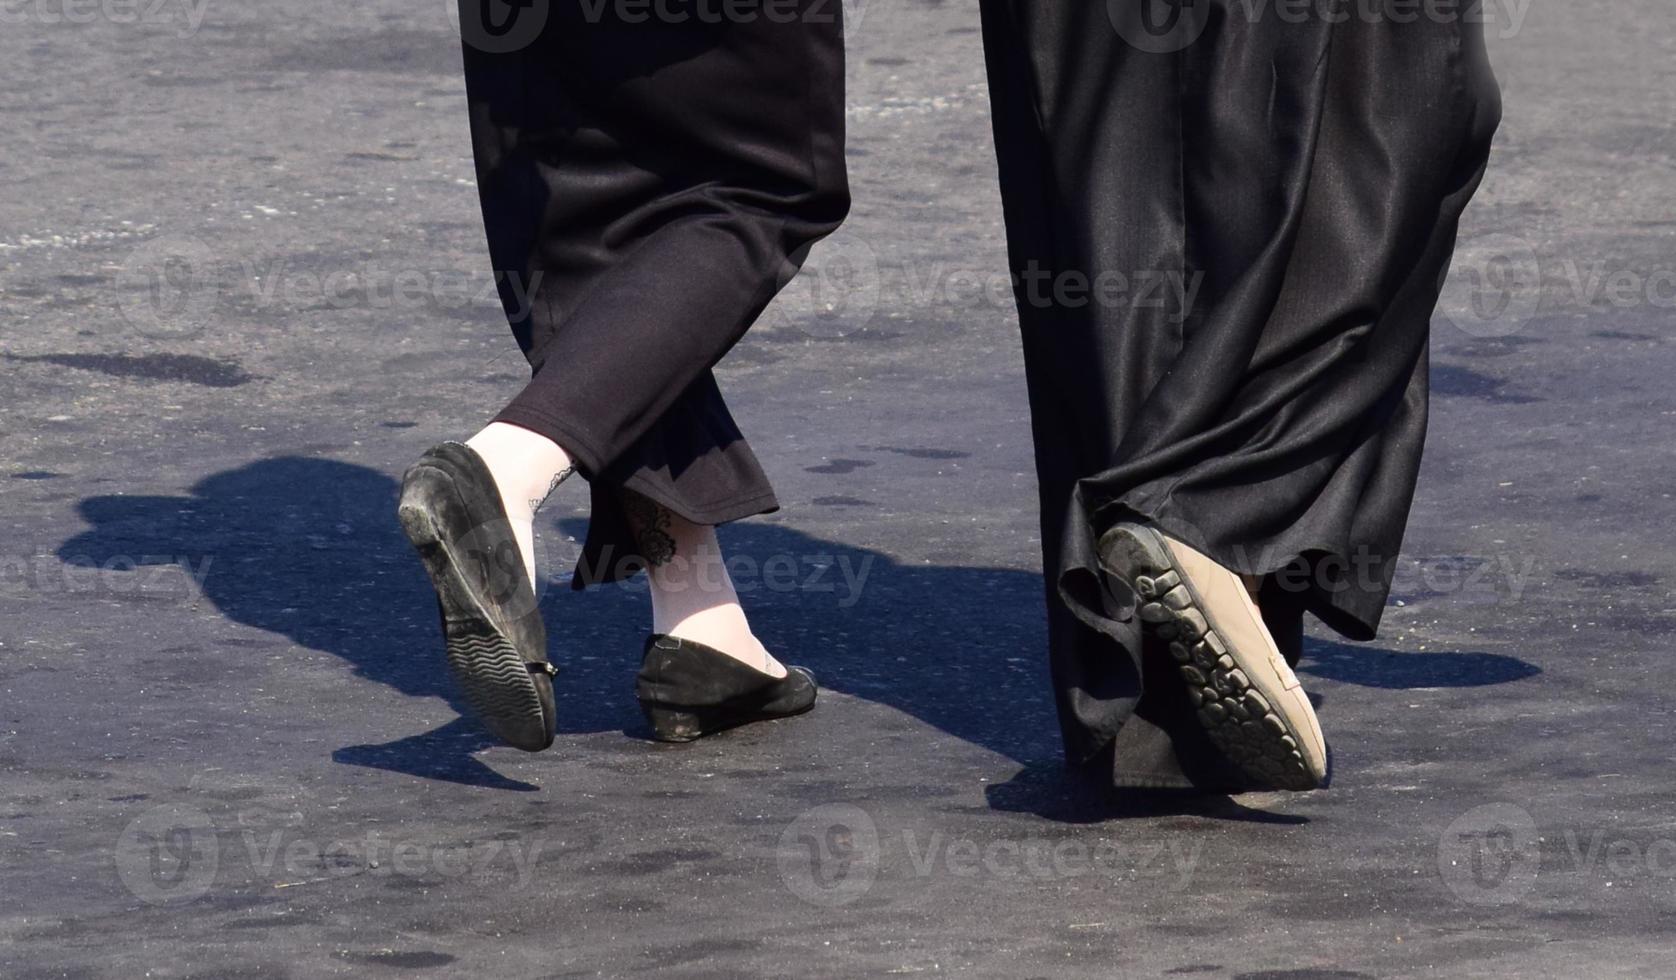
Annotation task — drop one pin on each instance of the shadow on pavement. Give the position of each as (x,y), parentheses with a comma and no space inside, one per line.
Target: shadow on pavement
(1393,670)
(1050,791)
(310,549)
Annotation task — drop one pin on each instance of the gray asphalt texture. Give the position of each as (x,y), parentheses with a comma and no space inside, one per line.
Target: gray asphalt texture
(228,745)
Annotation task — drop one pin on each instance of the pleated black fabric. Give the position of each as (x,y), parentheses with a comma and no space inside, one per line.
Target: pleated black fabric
(1271,210)
(648,184)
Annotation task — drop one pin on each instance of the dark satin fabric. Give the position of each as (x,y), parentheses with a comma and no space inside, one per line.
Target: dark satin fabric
(1309,178)
(657,182)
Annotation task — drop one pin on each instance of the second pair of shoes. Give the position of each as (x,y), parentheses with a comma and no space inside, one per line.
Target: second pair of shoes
(496,644)
(1241,688)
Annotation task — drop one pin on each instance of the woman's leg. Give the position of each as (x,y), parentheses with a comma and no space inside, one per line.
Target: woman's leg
(692,593)
(647,188)
(527,468)
(1275,200)
(693,596)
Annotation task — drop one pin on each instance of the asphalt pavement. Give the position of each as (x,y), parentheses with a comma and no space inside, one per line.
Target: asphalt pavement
(243,283)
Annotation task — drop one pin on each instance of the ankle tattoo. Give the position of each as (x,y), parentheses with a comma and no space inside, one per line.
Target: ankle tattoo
(650,522)
(558,478)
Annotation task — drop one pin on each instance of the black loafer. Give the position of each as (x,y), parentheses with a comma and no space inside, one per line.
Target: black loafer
(491,621)
(688,690)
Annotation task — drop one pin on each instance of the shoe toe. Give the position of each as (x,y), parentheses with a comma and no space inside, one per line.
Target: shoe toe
(801,690)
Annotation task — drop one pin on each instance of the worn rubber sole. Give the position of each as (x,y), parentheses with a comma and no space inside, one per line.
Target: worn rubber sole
(1248,701)
(492,675)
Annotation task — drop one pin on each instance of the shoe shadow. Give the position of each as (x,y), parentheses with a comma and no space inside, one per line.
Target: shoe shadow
(1368,666)
(444,754)
(1052,792)
(309,549)
(958,648)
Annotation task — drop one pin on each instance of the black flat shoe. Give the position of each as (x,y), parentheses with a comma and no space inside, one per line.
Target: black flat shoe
(688,690)
(491,622)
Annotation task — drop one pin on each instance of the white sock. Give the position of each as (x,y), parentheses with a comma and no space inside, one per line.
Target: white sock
(527,467)
(692,594)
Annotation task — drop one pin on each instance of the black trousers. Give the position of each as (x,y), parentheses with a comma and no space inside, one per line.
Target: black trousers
(648,184)
(1229,239)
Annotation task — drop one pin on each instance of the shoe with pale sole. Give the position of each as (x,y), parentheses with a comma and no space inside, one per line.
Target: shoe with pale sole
(1248,699)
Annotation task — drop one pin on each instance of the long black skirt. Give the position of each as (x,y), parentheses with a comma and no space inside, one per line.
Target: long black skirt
(648,184)
(1229,232)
